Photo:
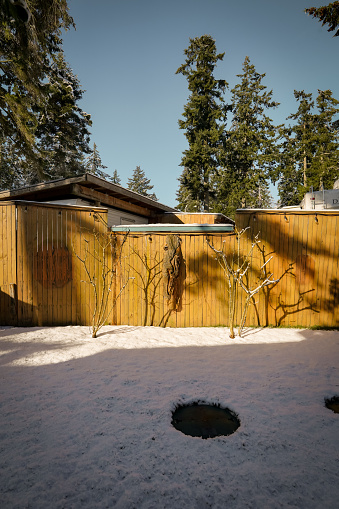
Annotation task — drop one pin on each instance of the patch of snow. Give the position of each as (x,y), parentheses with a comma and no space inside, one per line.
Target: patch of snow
(86,423)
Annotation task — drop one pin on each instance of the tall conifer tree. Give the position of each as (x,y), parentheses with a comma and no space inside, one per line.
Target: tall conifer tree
(62,135)
(204,116)
(297,149)
(95,166)
(140,183)
(27,48)
(42,127)
(328,15)
(251,151)
(116,179)
(326,157)
(309,148)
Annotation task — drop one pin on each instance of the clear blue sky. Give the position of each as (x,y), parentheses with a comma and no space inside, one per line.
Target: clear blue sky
(126,52)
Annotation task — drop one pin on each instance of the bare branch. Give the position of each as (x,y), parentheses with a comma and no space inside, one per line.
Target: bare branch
(237,272)
(103,249)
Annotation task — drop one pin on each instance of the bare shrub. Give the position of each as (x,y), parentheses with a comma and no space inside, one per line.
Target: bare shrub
(236,266)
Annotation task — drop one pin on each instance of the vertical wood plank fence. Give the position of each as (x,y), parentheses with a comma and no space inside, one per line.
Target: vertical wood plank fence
(8,287)
(201,297)
(305,250)
(42,279)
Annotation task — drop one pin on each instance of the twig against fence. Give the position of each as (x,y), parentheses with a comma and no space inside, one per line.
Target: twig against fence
(106,252)
(236,269)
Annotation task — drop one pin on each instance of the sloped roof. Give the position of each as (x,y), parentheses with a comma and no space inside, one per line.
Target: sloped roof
(89,187)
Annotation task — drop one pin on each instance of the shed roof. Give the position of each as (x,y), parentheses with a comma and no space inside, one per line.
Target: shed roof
(89,187)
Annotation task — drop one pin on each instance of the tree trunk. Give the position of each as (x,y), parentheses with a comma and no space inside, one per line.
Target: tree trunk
(232,307)
(305,164)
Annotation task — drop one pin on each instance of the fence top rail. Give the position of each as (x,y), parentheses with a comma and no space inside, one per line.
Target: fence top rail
(290,212)
(175,228)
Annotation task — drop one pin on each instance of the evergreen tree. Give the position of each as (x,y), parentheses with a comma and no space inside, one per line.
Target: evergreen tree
(251,151)
(328,14)
(184,196)
(28,44)
(94,164)
(297,150)
(204,116)
(41,123)
(62,135)
(326,157)
(10,167)
(116,179)
(140,184)
(288,176)
(309,148)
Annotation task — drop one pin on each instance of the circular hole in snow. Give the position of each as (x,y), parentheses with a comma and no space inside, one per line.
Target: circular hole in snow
(205,420)
(333,404)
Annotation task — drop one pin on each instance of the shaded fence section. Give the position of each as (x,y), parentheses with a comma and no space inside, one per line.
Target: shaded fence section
(8,286)
(41,276)
(173,279)
(176,281)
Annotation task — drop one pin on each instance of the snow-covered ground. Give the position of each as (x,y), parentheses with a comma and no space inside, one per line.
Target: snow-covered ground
(86,423)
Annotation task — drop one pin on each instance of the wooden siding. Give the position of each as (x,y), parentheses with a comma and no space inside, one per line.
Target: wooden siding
(305,260)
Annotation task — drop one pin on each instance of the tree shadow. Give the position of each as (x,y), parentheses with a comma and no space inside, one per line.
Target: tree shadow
(15,312)
(293,308)
(332,303)
(148,281)
(118,330)
(299,243)
(303,276)
(14,351)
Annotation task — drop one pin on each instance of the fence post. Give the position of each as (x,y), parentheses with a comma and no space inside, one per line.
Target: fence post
(13,308)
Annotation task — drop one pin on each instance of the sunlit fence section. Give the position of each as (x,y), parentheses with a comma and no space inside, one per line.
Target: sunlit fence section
(175,280)
(305,256)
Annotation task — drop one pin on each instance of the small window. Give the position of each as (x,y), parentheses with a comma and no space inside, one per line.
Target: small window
(125,220)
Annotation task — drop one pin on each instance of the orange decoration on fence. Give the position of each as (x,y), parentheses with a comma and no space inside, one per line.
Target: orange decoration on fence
(53,267)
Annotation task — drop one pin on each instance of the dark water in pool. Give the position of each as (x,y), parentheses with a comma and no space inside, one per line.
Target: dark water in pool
(205,421)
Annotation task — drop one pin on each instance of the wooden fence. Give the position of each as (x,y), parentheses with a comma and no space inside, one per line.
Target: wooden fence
(42,278)
(305,250)
(8,259)
(40,274)
(199,294)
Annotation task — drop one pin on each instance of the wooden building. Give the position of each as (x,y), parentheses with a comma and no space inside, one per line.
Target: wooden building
(123,206)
